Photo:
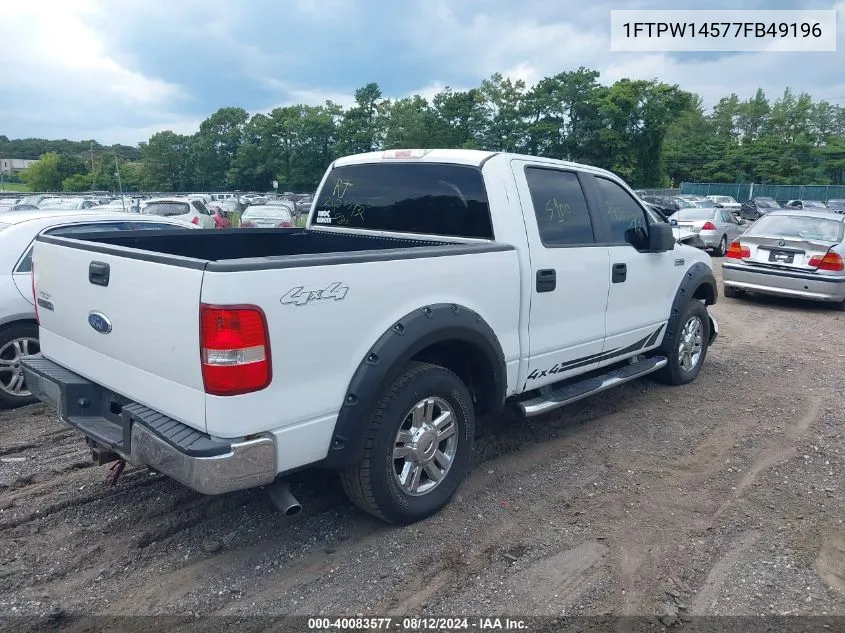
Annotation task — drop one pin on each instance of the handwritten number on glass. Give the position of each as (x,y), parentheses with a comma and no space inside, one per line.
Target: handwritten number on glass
(340,189)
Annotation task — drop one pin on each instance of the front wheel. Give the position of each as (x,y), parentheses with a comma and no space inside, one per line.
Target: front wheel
(417,447)
(686,347)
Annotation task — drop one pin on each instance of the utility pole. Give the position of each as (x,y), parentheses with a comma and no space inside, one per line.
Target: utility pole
(119,183)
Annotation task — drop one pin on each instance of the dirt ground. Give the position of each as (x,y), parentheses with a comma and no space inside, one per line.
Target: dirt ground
(721,497)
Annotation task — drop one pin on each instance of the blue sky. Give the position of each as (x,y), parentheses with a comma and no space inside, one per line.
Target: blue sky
(119,70)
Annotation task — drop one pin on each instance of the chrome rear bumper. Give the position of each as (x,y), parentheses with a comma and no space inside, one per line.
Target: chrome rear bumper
(147,438)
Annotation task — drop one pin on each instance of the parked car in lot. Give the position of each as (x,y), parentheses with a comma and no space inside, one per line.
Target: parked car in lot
(252,199)
(274,215)
(804,204)
(68,203)
(664,205)
(757,207)
(790,254)
(726,202)
(221,221)
(422,293)
(715,226)
(184,209)
(837,205)
(18,328)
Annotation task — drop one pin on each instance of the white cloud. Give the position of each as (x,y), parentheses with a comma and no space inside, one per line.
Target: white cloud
(533,41)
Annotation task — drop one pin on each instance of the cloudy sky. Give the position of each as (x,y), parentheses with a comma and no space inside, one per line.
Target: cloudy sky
(119,70)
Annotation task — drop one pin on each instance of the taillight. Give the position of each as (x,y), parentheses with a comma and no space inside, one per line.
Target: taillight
(737,251)
(708,226)
(34,298)
(285,225)
(196,220)
(235,349)
(247,225)
(828,261)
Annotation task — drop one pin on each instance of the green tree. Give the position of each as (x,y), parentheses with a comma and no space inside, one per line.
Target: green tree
(77,182)
(43,175)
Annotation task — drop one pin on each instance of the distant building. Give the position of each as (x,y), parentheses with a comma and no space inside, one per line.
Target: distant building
(14,165)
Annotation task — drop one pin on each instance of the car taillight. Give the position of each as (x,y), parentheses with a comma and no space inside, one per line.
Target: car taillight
(34,298)
(737,251)
(708,226)
(285,225)
(828,261)
(235,349)
(247,225)
(196,220)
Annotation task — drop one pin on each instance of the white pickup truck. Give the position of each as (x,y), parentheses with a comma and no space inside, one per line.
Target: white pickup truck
(429,287)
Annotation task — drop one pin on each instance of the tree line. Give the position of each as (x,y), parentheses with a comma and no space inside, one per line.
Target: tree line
(649,132)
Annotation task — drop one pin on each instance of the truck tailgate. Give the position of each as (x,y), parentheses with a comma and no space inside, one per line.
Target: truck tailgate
(131,325)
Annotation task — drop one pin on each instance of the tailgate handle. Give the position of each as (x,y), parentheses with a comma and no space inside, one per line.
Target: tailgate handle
(98,273)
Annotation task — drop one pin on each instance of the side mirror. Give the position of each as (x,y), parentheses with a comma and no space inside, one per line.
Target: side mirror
(661,238)
(673,222)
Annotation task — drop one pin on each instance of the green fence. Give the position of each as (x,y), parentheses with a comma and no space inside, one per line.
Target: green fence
(782,193)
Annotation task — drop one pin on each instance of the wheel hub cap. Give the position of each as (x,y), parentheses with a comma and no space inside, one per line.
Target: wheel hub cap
(691,344)
(425,446)
(11,372)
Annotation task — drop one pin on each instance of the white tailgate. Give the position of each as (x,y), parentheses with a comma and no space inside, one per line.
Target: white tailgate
(151,355)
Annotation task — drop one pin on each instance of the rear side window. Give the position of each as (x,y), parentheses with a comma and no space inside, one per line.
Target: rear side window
(428,198)
(560,207)
(166,209)
(622,211)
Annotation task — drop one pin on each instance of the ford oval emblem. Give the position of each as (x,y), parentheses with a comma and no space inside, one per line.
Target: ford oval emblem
(781,243)
(99,322)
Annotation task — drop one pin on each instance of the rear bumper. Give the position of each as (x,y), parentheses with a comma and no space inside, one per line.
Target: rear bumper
(784,283)
(146,438)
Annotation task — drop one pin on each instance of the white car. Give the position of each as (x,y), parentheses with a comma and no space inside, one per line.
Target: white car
(185,209)
(273,215)
(68,203)
(429,287)
(727,202)
(252,199)
(18,328)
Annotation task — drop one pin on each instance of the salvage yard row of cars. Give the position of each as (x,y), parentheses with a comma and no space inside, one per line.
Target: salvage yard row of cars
(388,389)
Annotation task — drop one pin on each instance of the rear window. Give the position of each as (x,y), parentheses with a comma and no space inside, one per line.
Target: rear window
(767,204)
(429,198)
(166,208)
(687,215)
(797,227)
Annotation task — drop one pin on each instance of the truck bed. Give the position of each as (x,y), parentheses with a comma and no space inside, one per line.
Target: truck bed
(245,249)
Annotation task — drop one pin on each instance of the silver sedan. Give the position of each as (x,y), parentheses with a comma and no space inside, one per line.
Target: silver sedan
(715,226)
(790,254)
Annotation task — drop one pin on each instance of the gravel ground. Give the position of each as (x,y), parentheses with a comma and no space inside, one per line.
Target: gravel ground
(722,497)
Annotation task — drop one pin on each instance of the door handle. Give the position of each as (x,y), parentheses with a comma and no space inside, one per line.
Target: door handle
(620,273)
(546,280)
(98,273)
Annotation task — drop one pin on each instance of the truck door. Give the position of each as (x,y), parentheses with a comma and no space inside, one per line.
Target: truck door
(642,285)
(568,274)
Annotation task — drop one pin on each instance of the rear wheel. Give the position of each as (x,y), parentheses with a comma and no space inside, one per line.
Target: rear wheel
(16,341)
(722,248)
(686,347)
(417,448)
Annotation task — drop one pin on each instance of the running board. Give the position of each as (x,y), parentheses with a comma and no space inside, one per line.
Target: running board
(584,388)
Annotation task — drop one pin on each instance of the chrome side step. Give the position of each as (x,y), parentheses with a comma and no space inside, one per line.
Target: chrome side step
(585,388)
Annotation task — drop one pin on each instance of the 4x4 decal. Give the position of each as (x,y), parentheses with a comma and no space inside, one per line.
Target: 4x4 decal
(300,296)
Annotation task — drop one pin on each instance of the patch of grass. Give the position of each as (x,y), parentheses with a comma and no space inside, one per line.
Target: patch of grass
(300,222)
(13,186)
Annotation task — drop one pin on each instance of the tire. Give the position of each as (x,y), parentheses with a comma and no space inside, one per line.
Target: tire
(722,248)
(731,292)
(839,306)
(675,373)
(373,484)
(14,339)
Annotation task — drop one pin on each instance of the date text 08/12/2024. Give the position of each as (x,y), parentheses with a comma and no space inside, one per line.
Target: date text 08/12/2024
(417,624)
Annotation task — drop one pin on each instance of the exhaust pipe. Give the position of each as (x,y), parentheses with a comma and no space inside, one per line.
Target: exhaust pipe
(282,498)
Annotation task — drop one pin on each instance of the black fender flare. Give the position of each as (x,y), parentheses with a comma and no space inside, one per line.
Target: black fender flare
(697,276)
(410,335)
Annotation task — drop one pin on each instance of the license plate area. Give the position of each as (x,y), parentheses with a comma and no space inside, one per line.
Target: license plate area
(781,257)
